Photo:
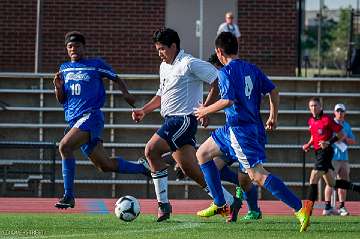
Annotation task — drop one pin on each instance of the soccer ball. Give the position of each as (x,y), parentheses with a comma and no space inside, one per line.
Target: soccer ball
(127,208)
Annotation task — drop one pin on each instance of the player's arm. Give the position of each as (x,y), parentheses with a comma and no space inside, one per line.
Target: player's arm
(203,111)
(213,94)
(139,114)
(307,146)
(274,100)
(59,91)
(211,98)
(129,98)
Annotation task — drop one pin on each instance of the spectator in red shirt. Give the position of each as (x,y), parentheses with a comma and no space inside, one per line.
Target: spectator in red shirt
(324,132)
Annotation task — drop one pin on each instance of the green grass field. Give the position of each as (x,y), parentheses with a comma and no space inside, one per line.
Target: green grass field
(180,226)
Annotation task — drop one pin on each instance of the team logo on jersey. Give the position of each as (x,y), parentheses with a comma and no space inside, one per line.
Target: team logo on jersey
(320,131)
(78,76)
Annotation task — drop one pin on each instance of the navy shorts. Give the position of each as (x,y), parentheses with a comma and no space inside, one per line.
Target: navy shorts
(92,122)
(178,131)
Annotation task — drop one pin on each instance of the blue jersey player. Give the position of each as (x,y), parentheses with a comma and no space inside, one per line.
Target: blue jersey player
(79,87)
(242,86)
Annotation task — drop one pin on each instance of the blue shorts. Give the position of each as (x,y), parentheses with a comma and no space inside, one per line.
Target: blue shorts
(178,131)
(93,123)
(242,144)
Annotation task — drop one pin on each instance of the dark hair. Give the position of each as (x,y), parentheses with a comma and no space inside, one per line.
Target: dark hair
(213,59)
(316,99)
(228,42)
(167,37)
(74,36)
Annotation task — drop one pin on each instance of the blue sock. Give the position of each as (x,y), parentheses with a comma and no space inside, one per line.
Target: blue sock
(251,198)
(68,171)
(212,178)
(128,167)
(226,174)
(280,191)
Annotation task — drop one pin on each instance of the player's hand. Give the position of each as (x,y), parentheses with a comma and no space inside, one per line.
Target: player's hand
(271,124)
(130,99)
(200,112)
(205,121)
(306,147)
(137,115)
(324,144)
(58,82)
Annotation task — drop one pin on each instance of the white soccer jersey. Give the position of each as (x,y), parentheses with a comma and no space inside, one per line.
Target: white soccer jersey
(181,84)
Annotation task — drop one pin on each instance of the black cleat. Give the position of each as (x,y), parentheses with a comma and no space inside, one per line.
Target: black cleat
(65,202)
(164,211)
(234,210)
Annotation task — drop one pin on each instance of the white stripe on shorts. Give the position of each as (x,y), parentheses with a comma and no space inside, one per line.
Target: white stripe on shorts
(182,129)
(81,120)
(238,150)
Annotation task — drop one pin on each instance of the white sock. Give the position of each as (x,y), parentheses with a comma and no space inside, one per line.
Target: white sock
(160,179)
(228,197)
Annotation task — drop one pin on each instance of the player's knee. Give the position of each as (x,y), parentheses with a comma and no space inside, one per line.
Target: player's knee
(202,156)
(151,152)
(65,148)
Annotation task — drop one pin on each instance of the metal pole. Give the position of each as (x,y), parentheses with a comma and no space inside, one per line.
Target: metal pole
(319,36)
(303,175)
(38,37)
(300,21)
(201,38)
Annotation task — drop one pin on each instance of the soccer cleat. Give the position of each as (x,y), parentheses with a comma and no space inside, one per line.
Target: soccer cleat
(252,215)
(303,215)
(234,209)
(213,210)
(164,211)
(65,202)
(329,212)
(343,211)
(145,163)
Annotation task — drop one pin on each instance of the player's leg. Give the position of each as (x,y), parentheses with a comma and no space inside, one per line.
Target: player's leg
(100,159)
(205,154)
(251,196)
(186,159)
(344,174)
(72,141)
(329,210)
(154,149)
(245,190)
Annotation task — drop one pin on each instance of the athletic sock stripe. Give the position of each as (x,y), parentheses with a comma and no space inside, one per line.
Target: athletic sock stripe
(159,174)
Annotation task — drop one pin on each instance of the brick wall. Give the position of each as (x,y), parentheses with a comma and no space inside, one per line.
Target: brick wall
(120,32)
(17,35)
(269,29)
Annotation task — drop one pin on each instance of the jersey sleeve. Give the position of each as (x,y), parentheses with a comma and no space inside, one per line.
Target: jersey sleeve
(226,90)
(348,131)
(106,70)
(334,126)
(266,84)
(203,70)
(237,31)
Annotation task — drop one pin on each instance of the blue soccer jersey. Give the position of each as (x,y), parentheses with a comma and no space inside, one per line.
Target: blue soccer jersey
(244,84)
(83,86)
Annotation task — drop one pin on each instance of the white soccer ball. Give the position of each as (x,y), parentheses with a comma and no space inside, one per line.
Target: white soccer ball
(127,208)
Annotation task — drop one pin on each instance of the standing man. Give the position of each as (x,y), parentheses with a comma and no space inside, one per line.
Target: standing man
(181,89)
(340,162)
(230,26)
(79,87)
(325,132)
(242,86)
